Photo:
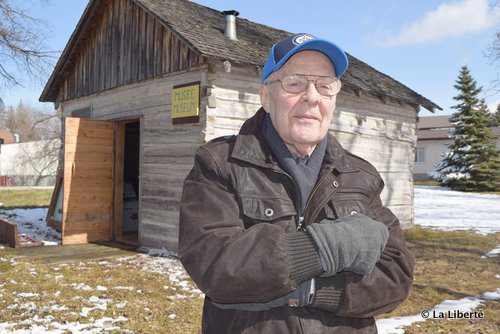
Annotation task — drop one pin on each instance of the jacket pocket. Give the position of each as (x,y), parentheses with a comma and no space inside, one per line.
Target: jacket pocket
(267,210)
(350,201)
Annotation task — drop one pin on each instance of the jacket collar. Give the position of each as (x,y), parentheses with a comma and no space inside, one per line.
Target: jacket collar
(251,147)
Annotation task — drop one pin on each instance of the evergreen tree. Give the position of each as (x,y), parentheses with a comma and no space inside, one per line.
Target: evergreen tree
(472,161)
(495,117)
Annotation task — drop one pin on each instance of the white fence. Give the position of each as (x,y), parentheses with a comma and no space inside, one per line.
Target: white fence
(29,164)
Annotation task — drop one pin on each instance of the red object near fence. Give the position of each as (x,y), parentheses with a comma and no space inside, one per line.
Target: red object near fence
(7,181)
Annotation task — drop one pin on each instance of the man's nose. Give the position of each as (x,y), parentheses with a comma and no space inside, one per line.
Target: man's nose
(311,94)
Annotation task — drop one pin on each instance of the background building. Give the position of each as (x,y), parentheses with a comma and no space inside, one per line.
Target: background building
(432,143)
(6,137)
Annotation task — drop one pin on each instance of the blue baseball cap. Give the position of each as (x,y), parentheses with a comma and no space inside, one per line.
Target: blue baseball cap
(284,49)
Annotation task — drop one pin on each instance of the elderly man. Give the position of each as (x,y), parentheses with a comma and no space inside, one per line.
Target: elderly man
(280,227)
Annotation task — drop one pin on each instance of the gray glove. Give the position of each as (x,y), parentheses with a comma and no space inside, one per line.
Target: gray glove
(297,298)
(353,243)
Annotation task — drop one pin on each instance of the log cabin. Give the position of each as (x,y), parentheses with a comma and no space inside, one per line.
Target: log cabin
(142,83)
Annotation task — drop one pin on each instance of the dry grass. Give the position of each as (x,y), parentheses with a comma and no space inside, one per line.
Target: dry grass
(489,325)
(448,266)
(142,289)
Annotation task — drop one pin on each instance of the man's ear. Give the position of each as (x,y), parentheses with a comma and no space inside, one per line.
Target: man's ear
(264,97)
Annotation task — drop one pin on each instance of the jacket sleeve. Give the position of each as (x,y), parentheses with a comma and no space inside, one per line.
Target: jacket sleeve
(388,285)
(229,263)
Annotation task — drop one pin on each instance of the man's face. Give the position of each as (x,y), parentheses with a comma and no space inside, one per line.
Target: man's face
(301,119)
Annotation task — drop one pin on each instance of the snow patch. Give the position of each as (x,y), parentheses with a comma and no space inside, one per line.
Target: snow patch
(445,209)
(81,286)
(492,253)
(121,305)
(32,222)
(129,288)
(58,308)
(98,304)
(28,294)
(99,326)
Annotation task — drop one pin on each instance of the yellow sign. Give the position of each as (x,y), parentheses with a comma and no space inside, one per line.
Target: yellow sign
(186,101)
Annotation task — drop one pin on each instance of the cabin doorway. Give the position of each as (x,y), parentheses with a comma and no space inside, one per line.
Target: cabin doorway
(127,186)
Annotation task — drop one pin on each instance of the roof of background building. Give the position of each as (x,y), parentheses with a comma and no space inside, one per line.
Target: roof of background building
(8,138)
(433,122)
(438,127)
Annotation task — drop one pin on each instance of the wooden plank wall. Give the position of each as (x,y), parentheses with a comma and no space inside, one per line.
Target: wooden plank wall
(166,150)
(382,133)
(125,45)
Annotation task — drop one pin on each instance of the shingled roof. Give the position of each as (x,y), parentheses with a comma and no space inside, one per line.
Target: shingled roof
(202,29)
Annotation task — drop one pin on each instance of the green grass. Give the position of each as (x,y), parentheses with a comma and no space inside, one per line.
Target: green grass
(29,198)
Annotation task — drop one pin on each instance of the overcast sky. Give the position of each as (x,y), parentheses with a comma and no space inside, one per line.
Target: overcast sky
(422,44)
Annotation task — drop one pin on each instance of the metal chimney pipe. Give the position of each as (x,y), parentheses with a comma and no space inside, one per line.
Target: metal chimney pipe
(230,31)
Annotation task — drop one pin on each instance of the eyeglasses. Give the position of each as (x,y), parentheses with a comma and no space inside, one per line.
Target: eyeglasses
(298,83)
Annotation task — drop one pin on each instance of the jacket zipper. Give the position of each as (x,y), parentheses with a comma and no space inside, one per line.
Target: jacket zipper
(300,219)
(296,187)
(315,189)
(299,225)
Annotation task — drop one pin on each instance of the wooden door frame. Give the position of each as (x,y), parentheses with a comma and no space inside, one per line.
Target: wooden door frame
(118,175)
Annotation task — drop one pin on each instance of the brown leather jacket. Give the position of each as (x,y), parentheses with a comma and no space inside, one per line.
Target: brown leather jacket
(238,239)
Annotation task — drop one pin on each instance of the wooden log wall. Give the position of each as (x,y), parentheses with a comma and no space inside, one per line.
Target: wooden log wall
(125,45)
(166,150)
(382,133)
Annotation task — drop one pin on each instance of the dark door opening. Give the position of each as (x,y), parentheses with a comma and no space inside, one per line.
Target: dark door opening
(130,213)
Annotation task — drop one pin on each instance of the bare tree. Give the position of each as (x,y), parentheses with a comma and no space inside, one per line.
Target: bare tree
(2,114)
(493,50)
(22,45)
(493,53)
(32,124)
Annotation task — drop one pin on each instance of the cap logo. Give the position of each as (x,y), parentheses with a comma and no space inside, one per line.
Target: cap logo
(302,38)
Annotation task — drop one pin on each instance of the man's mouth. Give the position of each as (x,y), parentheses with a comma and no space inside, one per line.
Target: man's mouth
(306,117)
